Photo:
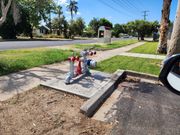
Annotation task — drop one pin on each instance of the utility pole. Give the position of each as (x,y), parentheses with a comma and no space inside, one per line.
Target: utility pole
(145,14)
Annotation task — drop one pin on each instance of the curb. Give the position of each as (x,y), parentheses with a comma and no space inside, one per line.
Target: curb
(91,105)
(141,75)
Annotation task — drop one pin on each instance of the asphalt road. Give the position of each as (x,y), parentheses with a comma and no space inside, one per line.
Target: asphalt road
(8,45)
(147,109)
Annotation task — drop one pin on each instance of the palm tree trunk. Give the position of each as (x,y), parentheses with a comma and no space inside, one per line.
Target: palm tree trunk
(174,47)
(71,15)
(162,48)
(50,22)
(4,10)
(59,23)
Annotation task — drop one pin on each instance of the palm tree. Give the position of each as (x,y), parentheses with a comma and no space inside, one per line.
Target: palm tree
(59,13)
(73,8)
(162,48)
(51,8)
(174,47)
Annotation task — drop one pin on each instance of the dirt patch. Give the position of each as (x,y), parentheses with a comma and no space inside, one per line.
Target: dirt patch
(46,111)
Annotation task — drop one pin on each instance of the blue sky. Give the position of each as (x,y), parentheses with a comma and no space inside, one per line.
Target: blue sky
(119,11)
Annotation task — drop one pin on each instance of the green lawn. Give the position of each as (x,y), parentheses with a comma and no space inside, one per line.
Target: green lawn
(113,45)
(147,48)
(144,65)
(16,60)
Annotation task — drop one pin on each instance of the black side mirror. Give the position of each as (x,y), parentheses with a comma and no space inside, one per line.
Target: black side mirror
(170,74)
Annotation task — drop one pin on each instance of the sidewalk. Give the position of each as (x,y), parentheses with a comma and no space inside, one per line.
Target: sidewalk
(111,53)
(16,83)
(149,56)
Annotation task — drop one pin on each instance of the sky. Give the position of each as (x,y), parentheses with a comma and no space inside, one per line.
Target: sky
(119,11)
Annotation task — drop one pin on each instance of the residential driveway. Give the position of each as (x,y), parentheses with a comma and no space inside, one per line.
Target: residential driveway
(8,45)
(143,109)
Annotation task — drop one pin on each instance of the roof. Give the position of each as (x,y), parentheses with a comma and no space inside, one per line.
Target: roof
(43,26)
(104,28)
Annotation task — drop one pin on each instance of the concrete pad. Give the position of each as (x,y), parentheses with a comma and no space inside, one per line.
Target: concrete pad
(84,86)
(92,105)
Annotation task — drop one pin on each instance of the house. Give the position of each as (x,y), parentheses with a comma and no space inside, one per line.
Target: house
(42,30)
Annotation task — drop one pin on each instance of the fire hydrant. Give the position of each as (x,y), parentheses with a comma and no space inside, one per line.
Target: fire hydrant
(84,62)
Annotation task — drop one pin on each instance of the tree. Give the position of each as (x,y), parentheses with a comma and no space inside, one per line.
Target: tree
(61,24)
(59,20)
(72,29)
(51,8)
(37,9)
(130,28)
(118,28)
(9,30)
(65,28)
(94,25)
(72,8)
(5,9)
(141,27)
(76,27)
(105,22)
(174,47)
(80,25)
(162,47)
(89,32)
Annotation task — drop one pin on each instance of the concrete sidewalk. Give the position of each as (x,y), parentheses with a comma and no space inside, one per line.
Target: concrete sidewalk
(111,53)
(149,56)
(16,83)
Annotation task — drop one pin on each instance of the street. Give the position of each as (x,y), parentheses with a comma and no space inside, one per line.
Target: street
(8,45)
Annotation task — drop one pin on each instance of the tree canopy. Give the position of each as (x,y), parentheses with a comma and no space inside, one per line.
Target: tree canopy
(95,23)
(33,12)
(140,28)
(72,7)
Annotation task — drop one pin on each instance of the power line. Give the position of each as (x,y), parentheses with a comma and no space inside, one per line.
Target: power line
(125,5)
(110,6)
(141,2)
(132,4)
(119,4)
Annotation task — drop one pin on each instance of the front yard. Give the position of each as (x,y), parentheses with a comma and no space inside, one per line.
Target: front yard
(147,48)
(103,47)
(151,66)
(17,60)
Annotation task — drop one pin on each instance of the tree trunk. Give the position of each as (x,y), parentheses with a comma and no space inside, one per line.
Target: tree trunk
(50,22)
(162,48)
(174,46)
(4,10)
(59,23)
(142,37)
(72,15)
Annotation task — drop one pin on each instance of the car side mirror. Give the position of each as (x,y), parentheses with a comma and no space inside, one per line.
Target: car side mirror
(170,73)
